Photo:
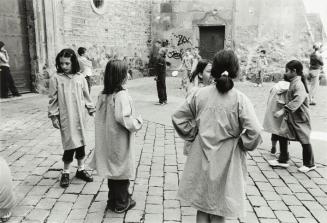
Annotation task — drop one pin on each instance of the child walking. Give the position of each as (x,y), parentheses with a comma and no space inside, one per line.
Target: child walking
(276,101)
(69,101)
(187,62)
(115,124)
(297,111)
(261,66)
(221,123)
(85,65)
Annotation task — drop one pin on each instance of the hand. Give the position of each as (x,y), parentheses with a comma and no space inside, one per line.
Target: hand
(281,102)
(56,123)
(279,113)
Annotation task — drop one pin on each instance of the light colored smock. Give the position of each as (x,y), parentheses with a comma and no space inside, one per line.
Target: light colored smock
(276,101)
(70,99)
(223,127)
(115,127)
(85,66)
(7,200)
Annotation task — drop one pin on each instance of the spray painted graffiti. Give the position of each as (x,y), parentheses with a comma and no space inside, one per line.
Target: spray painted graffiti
(177,46)
(175,54)
(181,39)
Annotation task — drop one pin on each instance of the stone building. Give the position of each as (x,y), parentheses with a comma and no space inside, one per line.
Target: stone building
(36,30)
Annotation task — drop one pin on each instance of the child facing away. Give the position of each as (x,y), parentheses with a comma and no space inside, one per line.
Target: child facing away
(85,65)
(276,101)
(222,124)
(261,66)
(115,127)
(69,101)
(296,110)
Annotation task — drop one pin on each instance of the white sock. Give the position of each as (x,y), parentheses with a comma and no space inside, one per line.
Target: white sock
(81,167)
(65,171)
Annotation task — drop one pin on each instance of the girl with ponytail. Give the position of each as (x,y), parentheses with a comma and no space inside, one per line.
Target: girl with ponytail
(221,125)
(296,111)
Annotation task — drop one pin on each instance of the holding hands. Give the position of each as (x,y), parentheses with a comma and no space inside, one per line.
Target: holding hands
(55,122)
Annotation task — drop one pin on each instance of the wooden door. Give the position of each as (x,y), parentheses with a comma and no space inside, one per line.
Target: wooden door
(211,40)
(13,32)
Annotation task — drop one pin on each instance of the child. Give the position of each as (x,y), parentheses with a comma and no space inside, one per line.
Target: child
(276,100)
(201,74)
(196,58)
(187,62)
(115,124)
(296,110)
(222,124)
(6,81)
(7,200)
(161,77)
(261,65)
(86,66)
(69,100)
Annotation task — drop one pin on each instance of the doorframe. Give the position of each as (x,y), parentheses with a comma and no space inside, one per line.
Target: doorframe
(212,18)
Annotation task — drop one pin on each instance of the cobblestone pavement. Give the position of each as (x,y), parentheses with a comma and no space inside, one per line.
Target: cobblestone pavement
(33,150)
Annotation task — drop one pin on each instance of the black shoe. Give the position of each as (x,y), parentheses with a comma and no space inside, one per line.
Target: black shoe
(17,95)
(130,205)
(110,205)
(83,175)
(64,181)
(273,150)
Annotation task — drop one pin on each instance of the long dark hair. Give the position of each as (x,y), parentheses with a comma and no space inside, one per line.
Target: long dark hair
(298,67)
(114,76)
(68,53)
(199,68)
(225,60)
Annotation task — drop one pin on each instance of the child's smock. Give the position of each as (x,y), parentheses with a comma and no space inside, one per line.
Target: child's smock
(298,110)
(115,127)
(222,127)
(276,101)
(7,200)
(70,99)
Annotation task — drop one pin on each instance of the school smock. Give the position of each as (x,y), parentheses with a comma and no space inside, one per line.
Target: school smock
(70,99)
(7,200)
(223,127)
(298,110)
(276,102)
(115,127)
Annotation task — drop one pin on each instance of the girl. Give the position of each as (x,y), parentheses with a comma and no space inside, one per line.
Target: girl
(201,73)
(222,124)
(187,62)
(6,81)
(297,111)
(115,124)
(276,100)
(69,100)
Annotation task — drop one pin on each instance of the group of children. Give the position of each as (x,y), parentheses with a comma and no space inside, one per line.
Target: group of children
(217,121)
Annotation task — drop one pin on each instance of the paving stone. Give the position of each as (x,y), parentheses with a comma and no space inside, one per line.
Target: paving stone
(91,188)
(277,182)
(264,212)
(153,209)
(251,217)
(271,196)
(83,201)
(266,220)
(300,212)
(98,206)
(296,188)
(285,216)
(21,211)
(74,188)
(94,217)
(134,216)
(283,190)
(156,181)
(150,218)
(290,200)
(77,214)
(172,214)
(30,200)
(68,198)
(46,203)
(304,197)
(55,192)
(252,190)
(307,220)
(277,206)
(154,200)
(188,211)
(170,194)
(257,201)
(175,204)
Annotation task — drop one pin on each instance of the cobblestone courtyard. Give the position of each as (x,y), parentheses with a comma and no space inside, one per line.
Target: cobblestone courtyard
(33,150)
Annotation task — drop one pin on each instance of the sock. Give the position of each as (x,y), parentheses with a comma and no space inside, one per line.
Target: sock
(81,167)
(65,171)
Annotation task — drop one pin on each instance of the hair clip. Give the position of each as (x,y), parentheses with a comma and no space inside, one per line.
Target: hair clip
(225,73)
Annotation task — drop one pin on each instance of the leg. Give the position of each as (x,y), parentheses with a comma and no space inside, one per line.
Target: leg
(3,82)
(67,158)
(159,90)
(11,84)
(284,155)
(314,84)
(202,217)
(274,139)
(307,155)
(81,172)
(111,195)
(164,91)
(88,80)
(123,200)
(217,219)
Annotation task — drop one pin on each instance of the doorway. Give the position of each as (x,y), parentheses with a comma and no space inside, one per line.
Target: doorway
(212,40)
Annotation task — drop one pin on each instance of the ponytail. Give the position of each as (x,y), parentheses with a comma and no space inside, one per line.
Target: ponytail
(225,68)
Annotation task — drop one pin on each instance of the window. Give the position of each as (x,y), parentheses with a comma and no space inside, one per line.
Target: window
(98,6)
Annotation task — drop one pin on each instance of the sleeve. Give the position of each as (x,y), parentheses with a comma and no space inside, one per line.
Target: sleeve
(320,60)
(251,135)
(184,119)
(88,101)
(123,112)
(298,98)
(53,108)
(4,57)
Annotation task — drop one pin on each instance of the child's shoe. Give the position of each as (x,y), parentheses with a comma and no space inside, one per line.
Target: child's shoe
(83,175)
(130,205)
(5,217)
(64,181)
(273,150)
(305,169)
(276,163)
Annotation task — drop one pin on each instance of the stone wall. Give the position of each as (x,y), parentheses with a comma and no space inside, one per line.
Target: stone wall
(120,29)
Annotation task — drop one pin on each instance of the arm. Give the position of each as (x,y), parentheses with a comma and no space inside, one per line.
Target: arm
(250,137)
(298,98)
(4,56)
(184,119)
(53,108)
(123,112)
(88,101)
